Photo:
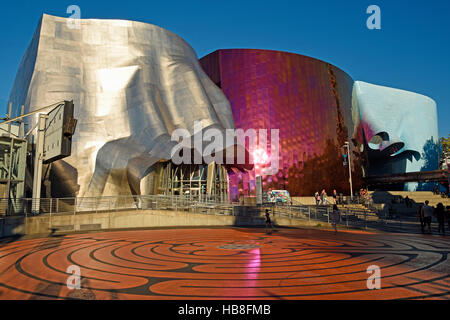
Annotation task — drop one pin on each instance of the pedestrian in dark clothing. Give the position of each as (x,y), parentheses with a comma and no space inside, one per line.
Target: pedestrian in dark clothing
(407,202)
(335,217)
(440,215)
(268,221)
(334,196)
(391,210)
(447,216)
(420,217)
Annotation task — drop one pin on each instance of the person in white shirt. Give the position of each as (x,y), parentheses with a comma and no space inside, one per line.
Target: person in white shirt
(427,214)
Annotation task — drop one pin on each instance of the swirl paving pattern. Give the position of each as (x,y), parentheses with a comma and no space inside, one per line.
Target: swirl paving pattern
(226,263)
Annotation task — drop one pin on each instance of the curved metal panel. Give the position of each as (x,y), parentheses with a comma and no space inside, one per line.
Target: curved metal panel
(400,130)
(132,84)
(308,100)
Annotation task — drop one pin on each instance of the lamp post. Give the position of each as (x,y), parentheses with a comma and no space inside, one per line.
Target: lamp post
(347,145)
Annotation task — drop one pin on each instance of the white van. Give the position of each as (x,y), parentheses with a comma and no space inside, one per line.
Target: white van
(279,196)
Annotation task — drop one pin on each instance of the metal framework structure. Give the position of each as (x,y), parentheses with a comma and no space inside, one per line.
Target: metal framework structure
(12,168)
(191,181)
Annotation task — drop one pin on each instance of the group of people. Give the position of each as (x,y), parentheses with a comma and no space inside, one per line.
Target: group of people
(426,212)
(322,198)
(364,195)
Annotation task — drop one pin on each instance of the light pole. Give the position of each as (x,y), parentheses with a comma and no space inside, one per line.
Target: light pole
(347,145)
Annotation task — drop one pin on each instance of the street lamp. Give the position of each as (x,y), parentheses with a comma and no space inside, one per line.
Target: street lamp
(347,145)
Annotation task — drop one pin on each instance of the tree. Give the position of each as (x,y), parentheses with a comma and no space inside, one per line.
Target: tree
(445,145)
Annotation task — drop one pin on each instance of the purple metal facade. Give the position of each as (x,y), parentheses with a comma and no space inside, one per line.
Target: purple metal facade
(308,100)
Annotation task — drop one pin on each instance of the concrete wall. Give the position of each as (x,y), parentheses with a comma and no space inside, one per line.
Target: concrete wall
(135,219)
(305,200)
(10,226)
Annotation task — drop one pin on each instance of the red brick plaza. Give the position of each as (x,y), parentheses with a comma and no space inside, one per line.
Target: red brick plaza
(227,263)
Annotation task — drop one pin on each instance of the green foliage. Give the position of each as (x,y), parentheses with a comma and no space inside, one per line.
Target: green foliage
(445,144)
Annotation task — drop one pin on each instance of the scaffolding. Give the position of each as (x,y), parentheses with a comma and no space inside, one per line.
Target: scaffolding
(206,181)
(12,171)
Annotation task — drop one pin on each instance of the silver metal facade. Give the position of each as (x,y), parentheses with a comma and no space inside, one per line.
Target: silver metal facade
(132,84)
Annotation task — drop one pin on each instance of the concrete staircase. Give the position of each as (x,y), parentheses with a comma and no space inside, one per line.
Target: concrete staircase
(396,198)
(417,197)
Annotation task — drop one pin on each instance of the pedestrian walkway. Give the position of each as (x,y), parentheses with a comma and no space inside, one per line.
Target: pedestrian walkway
(227,263)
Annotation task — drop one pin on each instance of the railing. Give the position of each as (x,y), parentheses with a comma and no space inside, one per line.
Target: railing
(351,217)
(34,207)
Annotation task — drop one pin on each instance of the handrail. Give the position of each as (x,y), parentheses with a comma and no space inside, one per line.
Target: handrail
(53,206)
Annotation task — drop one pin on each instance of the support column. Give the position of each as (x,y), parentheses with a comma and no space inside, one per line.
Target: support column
(38,157)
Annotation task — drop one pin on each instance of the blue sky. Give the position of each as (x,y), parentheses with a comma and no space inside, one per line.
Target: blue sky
(411,51)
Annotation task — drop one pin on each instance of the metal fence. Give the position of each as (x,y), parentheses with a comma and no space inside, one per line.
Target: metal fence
(351,217)
(29,206)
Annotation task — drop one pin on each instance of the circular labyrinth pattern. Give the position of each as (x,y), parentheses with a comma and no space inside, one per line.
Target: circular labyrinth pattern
(228,263)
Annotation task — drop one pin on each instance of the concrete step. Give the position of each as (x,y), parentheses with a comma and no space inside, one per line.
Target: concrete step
(417,197)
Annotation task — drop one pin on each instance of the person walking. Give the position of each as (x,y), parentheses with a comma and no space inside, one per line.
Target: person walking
(427,214)
(420,217)
(447,216)
(322,197)
(268,221)
(407,203)
(317,198)
(391,210)
(440,215)
(436,189)
(335,196)
(335,217)
(325,196)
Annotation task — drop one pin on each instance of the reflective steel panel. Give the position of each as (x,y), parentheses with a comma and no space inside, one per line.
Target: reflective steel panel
(308,100)
(132,84)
